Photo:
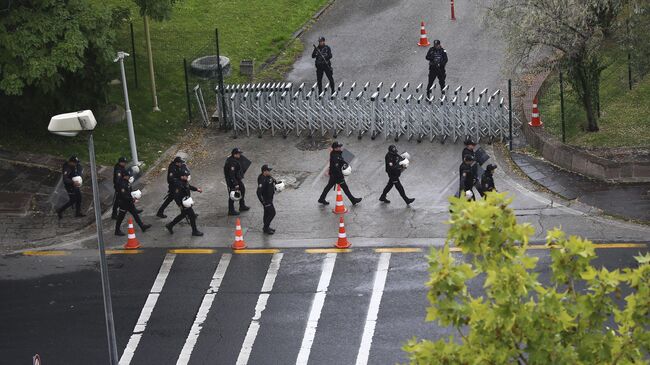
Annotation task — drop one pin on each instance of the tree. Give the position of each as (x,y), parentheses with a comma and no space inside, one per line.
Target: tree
(571,29)
(576,318)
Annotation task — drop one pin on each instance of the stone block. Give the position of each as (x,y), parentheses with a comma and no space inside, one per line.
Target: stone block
(579,163)
(594,170)
(613,173)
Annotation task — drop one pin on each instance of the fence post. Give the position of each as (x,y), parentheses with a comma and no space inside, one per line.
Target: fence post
(629,70)
(562,107)
(510,111)
(187,91)
(224,108)
(135,65)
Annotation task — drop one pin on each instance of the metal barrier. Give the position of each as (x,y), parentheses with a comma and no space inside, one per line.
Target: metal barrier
(391,111)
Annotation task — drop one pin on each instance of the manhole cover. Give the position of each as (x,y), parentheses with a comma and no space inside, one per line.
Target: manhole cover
(314,143)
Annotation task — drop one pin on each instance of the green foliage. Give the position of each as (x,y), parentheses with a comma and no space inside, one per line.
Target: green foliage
(156,9)
(574,319)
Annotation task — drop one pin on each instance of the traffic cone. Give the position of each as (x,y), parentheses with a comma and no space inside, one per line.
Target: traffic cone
(343,239)
(239,243)
(339,208)
(132,243)
(535,120)
(424,42)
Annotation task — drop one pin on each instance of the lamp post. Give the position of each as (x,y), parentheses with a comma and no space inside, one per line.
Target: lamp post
(69,125)
(129,119)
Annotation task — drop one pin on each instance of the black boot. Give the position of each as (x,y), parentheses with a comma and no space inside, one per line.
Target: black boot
(409,201)
(169,228)
(323,201)
(119,233)
(197,233)
(356,201)
(233,212)
(145,227)
(160,214)
(383,199)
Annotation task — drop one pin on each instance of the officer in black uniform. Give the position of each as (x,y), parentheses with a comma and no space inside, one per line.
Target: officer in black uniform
(265,191)
(234,174)
(173,174)
(469,149)
(70,169)
(437,57)
(182,190)
(468,175)
(118,170)
(394,170)
(126,202)
(487,180)
(323,56)
(337,165)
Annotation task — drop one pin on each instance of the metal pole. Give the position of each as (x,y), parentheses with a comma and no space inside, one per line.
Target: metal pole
(224,110)
(629,70)
(152,76)
(187,91)
(510,111)
(106,287)
(129,119)
(135,66)
(562,108)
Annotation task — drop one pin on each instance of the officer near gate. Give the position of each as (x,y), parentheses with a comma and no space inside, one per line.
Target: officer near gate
(173,174)
(71,175)
(437,57)
(468,176)
(394,170)
(265,191)
(234,174)
(337,165)
(118,171)
(126,203)
(487,180)
(323,57)
(183,198)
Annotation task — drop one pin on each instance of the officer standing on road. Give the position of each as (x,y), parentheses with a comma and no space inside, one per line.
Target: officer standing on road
(265,191)
(173,174)
(468,175)
(323,56)
(234,174)
(118,170)
(487,180)
(437,57)
(182,197)
(126,202)
(72,170)
(337,165)
(394,170)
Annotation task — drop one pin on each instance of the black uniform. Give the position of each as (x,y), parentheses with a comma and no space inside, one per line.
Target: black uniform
(234,175)
(487,182)
(437,58)
(468,152)
(74,193)
(183,189)
(323,65)
(173,175)
(265,192)
(394,170)
(337,164)
(468,177)
(118,172)
(127,204)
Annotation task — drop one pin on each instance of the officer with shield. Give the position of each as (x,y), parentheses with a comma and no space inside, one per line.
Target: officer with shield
(338,166)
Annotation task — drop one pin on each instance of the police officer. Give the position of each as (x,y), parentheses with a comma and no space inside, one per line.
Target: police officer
(234,174)
(337,165)
(487,180)
(394,170)
(265,191)
(126,202)
(437,57)
(118,170)
(182,191)
(173,174)
(469,149)
(71,168)
(468,175)
(323,56)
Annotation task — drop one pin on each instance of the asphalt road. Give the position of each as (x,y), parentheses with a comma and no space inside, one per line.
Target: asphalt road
(281,307)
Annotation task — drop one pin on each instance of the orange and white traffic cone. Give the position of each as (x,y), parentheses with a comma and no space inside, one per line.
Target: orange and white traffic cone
(339,208)
(535,120)
(239,243)
(343,239)
(132,243)
(424,41)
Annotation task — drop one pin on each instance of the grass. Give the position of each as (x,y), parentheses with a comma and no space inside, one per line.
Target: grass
(248,29)
(625,114)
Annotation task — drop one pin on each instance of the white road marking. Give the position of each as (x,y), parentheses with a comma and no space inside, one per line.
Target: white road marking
(149,305)
(204,309)
(373,308)
(254,326)
(316,308)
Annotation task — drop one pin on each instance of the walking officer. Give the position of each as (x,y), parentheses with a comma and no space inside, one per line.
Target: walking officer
(437,57)
(183,198)
(173,174)
(470,147)
(394,170)
(234,173)
(71,174)
(323,57)
(468,176)
(118,170)
(487,180)
(126,202)
(337,165)
(265,191)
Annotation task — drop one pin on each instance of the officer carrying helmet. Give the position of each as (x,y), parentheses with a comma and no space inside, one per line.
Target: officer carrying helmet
(71,175)
(118,170)
(487,180)
(183,198)
(395,164)
(265,191)
(337,165)
(126,199)
(234,174)
(437,57)
(173,174)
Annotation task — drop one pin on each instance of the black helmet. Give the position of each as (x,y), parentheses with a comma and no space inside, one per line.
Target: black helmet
(336,144)
(469,142)
(436,42)
(73,158)
(184,172)
(321,39)
(121,159)
(392,148)
(179,159)
(468,158)
(235,151)
(128,173)
(491,167)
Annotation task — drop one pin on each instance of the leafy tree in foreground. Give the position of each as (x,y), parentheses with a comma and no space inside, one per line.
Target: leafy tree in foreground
(577,318)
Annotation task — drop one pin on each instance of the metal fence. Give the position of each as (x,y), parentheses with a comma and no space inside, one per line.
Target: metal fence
(388,111)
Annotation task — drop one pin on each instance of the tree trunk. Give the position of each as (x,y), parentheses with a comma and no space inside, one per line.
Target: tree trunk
(586,82)
(152,76)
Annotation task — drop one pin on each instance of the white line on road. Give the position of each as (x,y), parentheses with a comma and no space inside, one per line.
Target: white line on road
(373,308)
(149,305)
(204,309)
(254,326)
(316,308)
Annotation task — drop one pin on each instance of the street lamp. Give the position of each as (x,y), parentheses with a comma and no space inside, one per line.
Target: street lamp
(129,119)
(69,125)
